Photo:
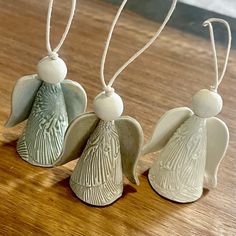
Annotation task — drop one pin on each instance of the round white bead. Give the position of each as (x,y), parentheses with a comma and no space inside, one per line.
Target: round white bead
(108,106)
(52,71)
(206,103)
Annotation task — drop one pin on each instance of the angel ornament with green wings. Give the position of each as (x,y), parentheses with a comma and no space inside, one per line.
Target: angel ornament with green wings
(193,142)
(107,143)
(49,103)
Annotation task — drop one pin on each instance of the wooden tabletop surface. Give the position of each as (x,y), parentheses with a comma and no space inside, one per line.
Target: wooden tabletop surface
(38,201)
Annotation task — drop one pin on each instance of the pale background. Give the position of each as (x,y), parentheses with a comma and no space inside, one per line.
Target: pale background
(226,7)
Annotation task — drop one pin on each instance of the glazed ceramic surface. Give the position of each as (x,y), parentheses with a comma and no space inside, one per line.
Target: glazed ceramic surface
(190,155)
(48,101)
(42,139)
(107,150)
(178,172)
(97,178)
(193,142)
(49,109)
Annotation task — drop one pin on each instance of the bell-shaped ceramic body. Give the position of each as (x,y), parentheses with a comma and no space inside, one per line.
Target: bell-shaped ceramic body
(49,109)
(192,143)
(98,178)
(178,172)
(42,138)
(107,150)
(192,148)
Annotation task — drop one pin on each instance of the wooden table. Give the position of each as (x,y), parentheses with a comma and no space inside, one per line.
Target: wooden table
(38,201)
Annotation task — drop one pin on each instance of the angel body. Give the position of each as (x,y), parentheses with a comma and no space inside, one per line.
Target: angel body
(97,178)
(107,143)
(178,172)
(48,101)
(42,138)
(107,150)
(191,153)
(49,109)
(192,143)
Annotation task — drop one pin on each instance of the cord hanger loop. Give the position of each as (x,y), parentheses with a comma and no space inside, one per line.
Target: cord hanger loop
(107,87)
(208,22)
(53,52)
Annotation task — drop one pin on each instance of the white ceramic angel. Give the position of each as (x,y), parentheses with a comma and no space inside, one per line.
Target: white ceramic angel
(49,103)
(193,142)
(107,143)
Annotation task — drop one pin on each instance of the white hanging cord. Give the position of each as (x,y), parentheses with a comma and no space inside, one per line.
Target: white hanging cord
(53,53)
(209,23)
(108,88)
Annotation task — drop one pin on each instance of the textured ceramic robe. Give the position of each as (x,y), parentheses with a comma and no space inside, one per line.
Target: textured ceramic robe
(178,172)
(107,150)
(42,139)
(97,178)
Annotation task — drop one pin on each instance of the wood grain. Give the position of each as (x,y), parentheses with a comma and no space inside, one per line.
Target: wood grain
(37,201)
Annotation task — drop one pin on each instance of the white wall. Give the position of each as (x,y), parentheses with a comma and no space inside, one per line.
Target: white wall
(226,7)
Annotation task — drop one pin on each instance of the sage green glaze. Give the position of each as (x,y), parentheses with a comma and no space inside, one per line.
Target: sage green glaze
(49,109)
(23,96)
(42,140)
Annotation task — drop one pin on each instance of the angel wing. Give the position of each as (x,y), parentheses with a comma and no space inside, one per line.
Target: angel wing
(217,143)
(165,128)
(76,137)
(75,98)
(23,96)
(131,140)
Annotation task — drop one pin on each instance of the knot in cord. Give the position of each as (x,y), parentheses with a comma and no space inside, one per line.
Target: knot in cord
(108,90)
(213,89)
(53,55)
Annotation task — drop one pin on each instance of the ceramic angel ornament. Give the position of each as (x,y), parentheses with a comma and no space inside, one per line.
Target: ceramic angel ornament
(193,142)
(107,143)
(49,102)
